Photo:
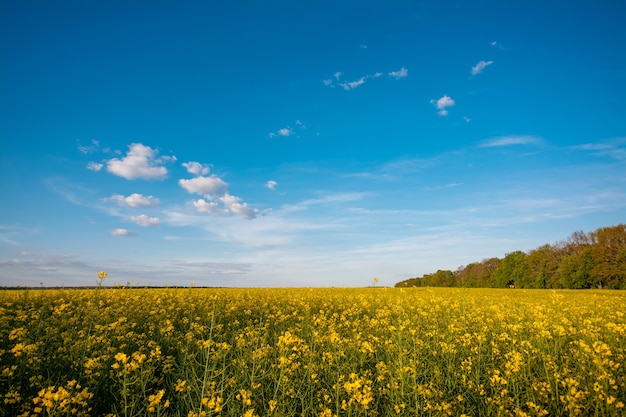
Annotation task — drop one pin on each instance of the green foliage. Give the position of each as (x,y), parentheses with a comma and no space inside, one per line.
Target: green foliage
(512,272)
(584,260)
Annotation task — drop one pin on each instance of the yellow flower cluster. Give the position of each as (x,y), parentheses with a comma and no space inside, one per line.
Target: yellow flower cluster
(315,352)
(68,400)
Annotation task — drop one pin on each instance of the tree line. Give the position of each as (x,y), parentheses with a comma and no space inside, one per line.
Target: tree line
(584,260)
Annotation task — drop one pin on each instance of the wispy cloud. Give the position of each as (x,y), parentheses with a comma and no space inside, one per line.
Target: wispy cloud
(478,68)
(87,149)
(133,200)
(615,149)
(328,200)
(121,232)
(140,162)
(401,73)
(511,140)
(8,231)
(442,104)
(443,187)
(398,168)
(351,85)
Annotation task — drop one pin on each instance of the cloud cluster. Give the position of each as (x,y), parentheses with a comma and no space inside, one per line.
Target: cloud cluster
(144,162)
(351,85)
(446,101)
(287,130)
(442,104)
(135,200)
(140,162)
(230,205)
(216,198)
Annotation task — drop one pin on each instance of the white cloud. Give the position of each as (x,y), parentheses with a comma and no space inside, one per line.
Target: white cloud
(94,166)
(121,232)
(287,130)
(204,185)
(140,162)
(401,73)
(236,206)
(204,206)
(196,168)
(145,221)
(467,119)
(231,205)
(353,84)
(510,140)
(442,103)
(478,68)
(271,185)
(133,200)
(215,191)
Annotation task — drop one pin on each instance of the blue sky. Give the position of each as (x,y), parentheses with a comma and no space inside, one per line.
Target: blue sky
(305,143)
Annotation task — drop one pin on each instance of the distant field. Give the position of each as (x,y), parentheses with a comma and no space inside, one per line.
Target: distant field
(312,352)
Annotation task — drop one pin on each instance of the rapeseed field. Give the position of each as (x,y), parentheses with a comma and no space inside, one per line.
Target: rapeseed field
(312,352)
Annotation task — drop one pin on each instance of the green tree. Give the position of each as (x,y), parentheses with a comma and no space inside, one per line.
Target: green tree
(576,270)
(512,271)
(543,263)
(477,274)
(609,252)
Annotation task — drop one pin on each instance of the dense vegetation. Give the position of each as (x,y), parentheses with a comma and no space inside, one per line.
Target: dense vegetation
(312,352)
(585,260)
